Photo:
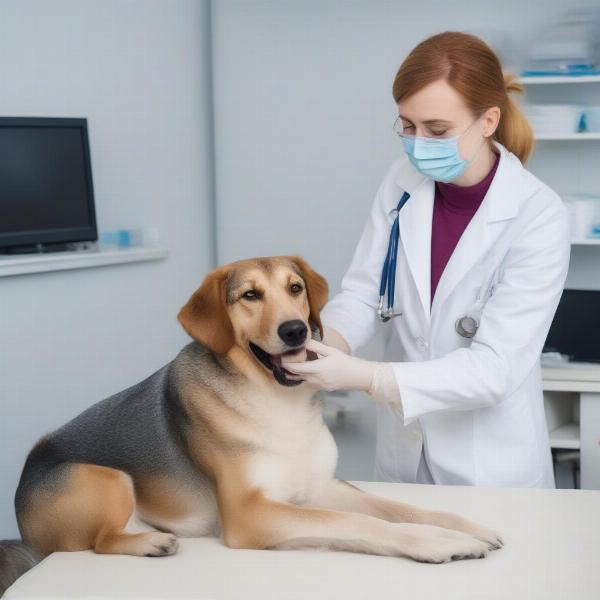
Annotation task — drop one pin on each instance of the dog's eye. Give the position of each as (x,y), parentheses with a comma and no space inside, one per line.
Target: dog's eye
(295,288)
(251,295)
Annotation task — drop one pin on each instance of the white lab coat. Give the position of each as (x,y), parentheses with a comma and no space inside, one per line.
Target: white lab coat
(475,405)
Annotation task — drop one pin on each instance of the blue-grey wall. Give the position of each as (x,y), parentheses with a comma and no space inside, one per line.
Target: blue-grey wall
(139,71)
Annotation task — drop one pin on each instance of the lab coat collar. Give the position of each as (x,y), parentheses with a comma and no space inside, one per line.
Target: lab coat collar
(502,207)
(500,203)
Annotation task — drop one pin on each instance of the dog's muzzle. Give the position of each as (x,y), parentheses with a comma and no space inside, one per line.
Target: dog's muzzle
(273,363)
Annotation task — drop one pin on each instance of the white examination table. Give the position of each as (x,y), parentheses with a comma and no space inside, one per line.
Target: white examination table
(552,551)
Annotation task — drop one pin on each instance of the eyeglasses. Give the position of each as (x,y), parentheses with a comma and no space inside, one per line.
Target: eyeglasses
(399,129)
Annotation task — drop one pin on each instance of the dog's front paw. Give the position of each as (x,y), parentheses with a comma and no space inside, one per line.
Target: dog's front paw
(492,537)
(453,521)
(440,545)
(485,534)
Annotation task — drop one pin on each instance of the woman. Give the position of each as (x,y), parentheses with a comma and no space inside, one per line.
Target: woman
(481,263)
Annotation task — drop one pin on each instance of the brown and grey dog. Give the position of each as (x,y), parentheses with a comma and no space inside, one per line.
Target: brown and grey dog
(223,441)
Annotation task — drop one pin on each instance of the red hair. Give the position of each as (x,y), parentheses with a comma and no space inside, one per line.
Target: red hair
(472,68)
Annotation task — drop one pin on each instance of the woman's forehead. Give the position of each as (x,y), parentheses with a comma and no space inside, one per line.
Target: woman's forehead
(437,101)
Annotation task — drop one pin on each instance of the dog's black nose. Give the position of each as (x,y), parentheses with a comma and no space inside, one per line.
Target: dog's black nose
(293,332)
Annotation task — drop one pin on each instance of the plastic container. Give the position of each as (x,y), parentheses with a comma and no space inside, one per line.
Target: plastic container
(554,118)
(591,119)
(584,211)
(125,238)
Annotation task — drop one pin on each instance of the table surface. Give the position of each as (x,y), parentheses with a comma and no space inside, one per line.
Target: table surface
(573,370)
(552,550)
(571,377)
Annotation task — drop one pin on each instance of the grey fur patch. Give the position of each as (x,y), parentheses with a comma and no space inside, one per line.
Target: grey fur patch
(141,429)
(16,558)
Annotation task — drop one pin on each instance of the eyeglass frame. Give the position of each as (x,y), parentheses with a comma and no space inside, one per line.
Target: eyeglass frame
(409,136)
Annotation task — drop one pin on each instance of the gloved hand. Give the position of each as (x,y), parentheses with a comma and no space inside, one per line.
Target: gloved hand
(335,371)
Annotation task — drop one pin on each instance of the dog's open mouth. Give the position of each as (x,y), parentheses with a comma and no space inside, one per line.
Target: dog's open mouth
(273,363)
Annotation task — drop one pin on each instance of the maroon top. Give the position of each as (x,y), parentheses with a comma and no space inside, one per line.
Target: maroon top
(453,207)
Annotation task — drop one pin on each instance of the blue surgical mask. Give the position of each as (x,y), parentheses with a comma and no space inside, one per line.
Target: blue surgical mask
(437,158)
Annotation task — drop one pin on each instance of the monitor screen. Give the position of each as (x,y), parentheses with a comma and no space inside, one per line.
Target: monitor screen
(45,181)
(575,330)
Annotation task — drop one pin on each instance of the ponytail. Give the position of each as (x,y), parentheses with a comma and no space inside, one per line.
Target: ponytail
(514,131)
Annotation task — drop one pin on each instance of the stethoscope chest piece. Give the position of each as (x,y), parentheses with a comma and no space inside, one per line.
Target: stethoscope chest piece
(386,314)
(466,327)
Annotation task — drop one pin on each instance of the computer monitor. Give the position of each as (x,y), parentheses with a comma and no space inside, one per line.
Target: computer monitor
(46,190)
(575,329)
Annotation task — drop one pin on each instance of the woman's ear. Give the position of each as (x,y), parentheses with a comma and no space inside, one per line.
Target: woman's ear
(205,316)
(317,290)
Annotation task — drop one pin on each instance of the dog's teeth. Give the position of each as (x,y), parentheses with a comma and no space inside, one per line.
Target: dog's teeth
(293,352)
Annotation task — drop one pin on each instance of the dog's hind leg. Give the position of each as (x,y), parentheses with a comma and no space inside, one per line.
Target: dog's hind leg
(89,507)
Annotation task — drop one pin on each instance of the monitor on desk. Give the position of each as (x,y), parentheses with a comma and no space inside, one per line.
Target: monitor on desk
(46,191)
(575,330)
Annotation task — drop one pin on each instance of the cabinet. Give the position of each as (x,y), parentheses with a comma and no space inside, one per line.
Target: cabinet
(572,402)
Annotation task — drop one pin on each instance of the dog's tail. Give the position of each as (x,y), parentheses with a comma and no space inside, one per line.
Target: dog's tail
(15,559)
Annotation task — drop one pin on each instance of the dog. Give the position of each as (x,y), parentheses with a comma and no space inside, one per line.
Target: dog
(223,441)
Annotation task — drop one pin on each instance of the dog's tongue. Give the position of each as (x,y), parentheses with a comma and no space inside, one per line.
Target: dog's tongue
(276,360)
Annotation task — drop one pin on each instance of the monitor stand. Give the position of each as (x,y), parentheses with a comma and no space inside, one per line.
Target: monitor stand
(37,248)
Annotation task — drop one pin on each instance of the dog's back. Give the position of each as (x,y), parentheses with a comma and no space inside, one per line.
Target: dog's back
(140,431)
(135,430)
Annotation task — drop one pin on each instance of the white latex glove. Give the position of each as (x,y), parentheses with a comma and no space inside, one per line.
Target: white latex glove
(335,371)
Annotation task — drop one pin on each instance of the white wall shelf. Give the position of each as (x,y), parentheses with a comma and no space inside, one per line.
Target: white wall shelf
(585,242)
(542,80)
(19,264)
(569,136)
(565,436)
(572,377)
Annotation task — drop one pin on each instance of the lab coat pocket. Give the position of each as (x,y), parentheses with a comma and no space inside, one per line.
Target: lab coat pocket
(486,279)
(489,277)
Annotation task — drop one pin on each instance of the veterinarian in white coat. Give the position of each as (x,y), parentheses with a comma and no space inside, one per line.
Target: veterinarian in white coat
(454,409)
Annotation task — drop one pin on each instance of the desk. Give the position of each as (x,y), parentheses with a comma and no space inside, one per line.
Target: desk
(551,552)
(584,379)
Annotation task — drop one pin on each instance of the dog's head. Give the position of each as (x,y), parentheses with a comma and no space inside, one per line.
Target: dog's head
(265,305)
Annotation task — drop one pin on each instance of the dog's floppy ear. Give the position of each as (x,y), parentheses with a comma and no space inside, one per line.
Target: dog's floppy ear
(317,290)
(205,317)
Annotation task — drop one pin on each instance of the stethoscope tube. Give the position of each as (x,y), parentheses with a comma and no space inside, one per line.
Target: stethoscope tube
(388,274)
(465,326)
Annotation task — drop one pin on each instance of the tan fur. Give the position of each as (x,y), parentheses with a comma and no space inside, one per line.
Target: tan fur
(266,456)
(91,512)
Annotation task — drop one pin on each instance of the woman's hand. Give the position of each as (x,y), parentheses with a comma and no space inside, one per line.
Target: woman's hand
(335,371)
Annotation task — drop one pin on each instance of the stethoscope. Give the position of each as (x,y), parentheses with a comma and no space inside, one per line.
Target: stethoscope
(465,326)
